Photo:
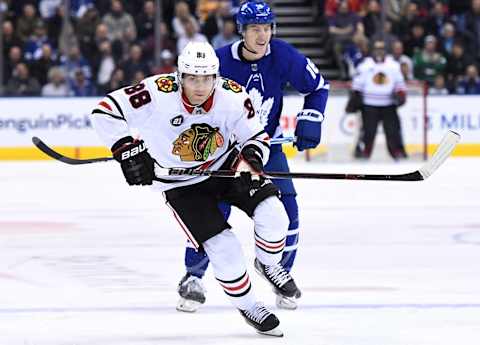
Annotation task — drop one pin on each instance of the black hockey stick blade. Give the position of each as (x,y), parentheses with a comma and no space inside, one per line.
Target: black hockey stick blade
(59,157)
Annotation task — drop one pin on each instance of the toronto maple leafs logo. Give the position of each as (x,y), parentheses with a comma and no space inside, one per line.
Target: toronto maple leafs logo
(256,89)
(262,108)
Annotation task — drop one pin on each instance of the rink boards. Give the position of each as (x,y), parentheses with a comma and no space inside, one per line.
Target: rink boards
(64,123)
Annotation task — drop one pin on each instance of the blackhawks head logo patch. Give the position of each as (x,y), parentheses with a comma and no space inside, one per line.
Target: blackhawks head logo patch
(197,143)
(380,79)
(166,84)
(231,85)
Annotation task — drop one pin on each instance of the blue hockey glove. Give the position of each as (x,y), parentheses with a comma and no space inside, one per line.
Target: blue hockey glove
(309,129)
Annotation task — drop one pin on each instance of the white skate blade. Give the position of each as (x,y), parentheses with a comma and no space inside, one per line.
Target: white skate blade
(276,332)
(285,302)
(187,305)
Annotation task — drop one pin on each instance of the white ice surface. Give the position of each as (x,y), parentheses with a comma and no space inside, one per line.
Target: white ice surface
(87,260)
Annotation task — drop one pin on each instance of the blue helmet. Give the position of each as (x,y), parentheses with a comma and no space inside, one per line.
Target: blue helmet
(255,12)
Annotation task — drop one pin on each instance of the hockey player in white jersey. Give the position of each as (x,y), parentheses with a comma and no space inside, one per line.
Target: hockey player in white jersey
(194,119)
(378,90)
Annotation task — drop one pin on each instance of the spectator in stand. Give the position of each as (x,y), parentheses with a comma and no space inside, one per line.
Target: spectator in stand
(216,20)
(48,8)
(342,27)
(205,8)
(134,63)
(437,18)
(117,80)
(79,7)
(472,28)
(372,21)
(167,63)
(191,35)
(57,87)
(438,87)
(415,40)
(331,7)
(27,22)
(9,37)
(41,66)
(145,22)
(21,83)
(470,82)
(75,61)
(448,37)
(104,66)
(32,49)
(80,86)
(456,63)
(410,19)
(227,36)
(101,34)
(182,15)
(402,59)
(121,28)
(15,56)
(395,10)
(386,36)
(55,26)
(428,63)
(85,30)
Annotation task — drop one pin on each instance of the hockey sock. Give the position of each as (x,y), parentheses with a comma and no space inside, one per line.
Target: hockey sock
(226,257)
(271,223)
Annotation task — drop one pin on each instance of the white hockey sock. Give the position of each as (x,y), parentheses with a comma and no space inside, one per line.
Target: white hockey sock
(271,224)
(226,257)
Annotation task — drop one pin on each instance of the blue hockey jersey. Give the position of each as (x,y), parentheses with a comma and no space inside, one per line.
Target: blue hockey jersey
(266,78)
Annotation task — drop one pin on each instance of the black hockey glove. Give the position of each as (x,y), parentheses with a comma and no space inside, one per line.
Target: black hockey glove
(248,161)
(137,164)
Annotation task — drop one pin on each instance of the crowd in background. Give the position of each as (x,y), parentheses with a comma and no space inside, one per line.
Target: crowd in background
(107,44)
(436,41)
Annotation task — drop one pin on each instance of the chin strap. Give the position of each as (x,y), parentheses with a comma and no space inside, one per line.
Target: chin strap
(246,47)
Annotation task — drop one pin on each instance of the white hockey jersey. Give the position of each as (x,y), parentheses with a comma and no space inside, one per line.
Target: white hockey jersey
(175,134)
(379,81)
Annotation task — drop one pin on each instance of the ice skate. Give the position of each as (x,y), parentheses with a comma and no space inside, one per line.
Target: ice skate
(192,293)
(262,320)
(283,284)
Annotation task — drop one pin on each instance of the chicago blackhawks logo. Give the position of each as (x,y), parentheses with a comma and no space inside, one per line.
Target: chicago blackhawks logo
(197,143)
(166,84)
(232,86)
(380,78)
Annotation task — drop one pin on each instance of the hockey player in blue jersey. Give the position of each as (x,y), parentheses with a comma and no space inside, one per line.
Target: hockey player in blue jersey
(264,66)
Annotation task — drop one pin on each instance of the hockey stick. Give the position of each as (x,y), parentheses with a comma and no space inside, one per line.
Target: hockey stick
(74,161)
(282,140)
(59,157)
(444,150)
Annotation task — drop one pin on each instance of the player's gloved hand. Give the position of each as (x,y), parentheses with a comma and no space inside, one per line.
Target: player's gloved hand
(308,130)
(249,165)
(399,98)
(137,164)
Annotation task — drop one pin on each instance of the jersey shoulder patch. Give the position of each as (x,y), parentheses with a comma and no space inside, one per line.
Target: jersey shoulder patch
(231,85)
(166,83)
